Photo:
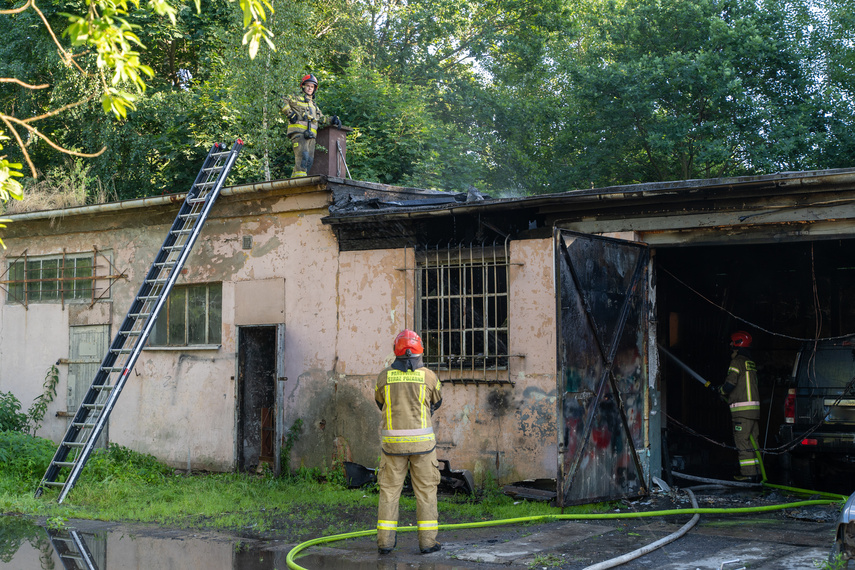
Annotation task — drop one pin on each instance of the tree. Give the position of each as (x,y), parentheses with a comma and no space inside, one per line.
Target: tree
(102,45)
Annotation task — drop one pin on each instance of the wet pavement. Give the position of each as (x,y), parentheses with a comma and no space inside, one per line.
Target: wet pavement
(794,539)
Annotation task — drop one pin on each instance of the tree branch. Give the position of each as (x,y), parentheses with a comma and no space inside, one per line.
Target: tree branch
(17,10)
(60,110)
(66,57)
(22,84)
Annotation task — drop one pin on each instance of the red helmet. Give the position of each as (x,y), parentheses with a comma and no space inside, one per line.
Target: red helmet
(309,79)
(741,339)
(408,340)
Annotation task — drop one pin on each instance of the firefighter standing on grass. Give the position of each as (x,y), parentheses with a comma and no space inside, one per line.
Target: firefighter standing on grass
(741,391)
(304,120)
(407,394)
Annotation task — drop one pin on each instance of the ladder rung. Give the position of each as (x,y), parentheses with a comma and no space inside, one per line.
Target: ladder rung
(94,406)
(158,280)
(222,153)
(165,264)
(121,350)
(196,200)
(64,463)
(103,386)
(53,483)
(173,247)
(212,168)
(138,315)
(206,185)
(182,231)
(73,443)
(112,369)
(186,216)
(71,557)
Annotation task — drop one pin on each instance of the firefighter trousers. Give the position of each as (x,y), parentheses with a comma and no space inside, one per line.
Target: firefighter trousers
(304,154)
(424,475)
(745,426)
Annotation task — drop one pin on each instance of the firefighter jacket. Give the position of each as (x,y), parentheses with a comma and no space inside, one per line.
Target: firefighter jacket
(406,399)
(309,116)
(740,386)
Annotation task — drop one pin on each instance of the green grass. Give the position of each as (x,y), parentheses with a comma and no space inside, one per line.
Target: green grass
(120,485)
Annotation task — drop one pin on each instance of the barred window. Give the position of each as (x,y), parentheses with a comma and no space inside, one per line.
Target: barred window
(192,316)
(46,279)
(463,310)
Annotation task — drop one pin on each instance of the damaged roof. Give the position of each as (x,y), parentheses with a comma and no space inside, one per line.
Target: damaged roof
(369,215)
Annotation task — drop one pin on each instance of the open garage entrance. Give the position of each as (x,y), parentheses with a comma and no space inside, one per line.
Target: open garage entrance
(779,293)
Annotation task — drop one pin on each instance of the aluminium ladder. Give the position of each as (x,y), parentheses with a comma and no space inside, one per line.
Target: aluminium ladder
(72,550)
(91,417)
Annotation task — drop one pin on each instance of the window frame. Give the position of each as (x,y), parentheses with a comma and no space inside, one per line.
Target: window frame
(48,279)
(463,280)
(171,315)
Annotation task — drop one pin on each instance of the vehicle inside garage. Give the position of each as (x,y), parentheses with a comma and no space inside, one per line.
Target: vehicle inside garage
(782,294)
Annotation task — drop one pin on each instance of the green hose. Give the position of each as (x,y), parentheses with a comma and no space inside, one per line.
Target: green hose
(547,518)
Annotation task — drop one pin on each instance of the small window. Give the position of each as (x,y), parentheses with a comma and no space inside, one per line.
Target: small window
(463,311)
(49,279)
(192,316)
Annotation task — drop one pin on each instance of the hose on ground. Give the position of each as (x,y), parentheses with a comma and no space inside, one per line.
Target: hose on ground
(549,518)
(638,553)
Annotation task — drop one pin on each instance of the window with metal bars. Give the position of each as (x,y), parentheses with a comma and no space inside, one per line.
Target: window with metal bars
(192,316)
(463,310)
(47,279)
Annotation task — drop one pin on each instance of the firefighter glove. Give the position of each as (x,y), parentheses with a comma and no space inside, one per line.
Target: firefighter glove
(308,134)
(293,117)
(335,121)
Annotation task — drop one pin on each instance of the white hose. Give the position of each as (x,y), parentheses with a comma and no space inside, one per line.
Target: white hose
(653,545)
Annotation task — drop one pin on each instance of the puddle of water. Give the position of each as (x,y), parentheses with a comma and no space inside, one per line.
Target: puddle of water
(27,546)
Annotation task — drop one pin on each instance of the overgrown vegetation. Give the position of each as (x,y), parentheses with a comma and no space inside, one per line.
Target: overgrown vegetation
(11,416)
(122,485)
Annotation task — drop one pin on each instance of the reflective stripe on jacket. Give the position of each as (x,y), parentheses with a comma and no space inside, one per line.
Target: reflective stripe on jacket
(405,399)
(742,374)
(308,113)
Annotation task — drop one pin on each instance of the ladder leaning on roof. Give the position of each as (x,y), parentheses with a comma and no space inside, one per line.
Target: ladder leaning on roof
(91,417)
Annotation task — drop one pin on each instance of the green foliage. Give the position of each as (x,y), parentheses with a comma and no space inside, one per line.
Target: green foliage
(24,459)
(37,410)
(122,464)
(291,439)
(56,523)
(11,417)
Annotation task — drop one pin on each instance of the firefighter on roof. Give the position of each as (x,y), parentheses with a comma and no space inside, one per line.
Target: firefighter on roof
(741,391)
(407,394)
(304,120)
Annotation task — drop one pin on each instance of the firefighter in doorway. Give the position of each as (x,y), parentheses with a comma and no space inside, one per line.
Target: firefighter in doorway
(407,394)
(741,391)
(304,120)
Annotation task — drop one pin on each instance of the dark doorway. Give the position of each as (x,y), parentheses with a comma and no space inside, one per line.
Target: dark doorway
(779,293)
(256,397)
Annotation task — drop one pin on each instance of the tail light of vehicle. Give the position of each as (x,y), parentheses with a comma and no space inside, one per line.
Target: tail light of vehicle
(790,407)
(809,441)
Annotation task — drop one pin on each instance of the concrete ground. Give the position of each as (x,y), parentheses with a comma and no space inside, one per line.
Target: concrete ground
(795,539)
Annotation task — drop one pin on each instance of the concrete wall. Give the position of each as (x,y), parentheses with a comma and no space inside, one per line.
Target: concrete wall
(341,313)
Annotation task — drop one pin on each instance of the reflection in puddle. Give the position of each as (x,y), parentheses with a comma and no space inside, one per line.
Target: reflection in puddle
(27,546)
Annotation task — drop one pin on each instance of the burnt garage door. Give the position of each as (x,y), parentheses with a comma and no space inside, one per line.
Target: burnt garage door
(603,371)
